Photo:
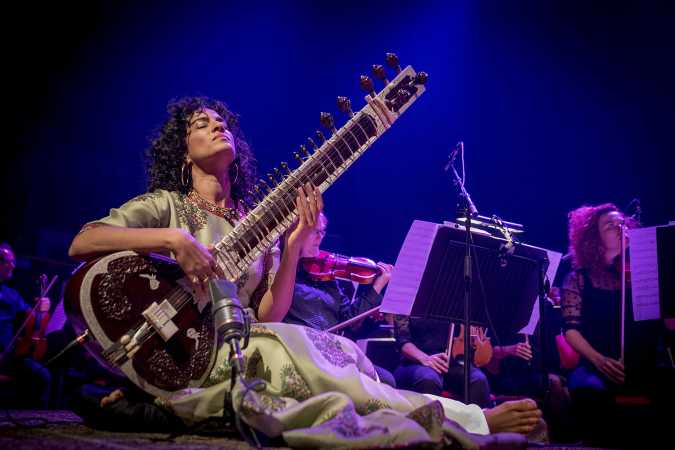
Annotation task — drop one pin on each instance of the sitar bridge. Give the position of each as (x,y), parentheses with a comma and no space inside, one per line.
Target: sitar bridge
(159,317)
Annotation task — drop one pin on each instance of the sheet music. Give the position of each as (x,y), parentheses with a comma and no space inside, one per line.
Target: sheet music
(644,273)
(409,268)
(553,263)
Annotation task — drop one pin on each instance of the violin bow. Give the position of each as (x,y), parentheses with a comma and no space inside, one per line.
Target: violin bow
(346,323)
(451,340)
(45,290)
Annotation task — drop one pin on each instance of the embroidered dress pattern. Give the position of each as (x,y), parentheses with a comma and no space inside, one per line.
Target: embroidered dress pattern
(346,424)
(330,348)
(293,385)
(372,405)
(430,417)
(191,214)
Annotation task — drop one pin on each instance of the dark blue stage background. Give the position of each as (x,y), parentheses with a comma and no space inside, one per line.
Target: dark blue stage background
(558,103)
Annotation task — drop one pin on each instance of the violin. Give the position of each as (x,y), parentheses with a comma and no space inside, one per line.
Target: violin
(33,342)
(327,266)
(480,344)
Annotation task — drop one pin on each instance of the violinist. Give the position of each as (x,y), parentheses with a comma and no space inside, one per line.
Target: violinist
(591,310)
(33,380)
(425,366)
(321,303)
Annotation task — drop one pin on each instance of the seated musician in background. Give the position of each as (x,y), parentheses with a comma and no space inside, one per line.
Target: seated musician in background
(510,370)
(424,362)
(591,309)
(425,368)
(321,304)
(33,380)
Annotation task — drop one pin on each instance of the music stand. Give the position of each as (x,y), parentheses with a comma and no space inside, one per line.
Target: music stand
(428,282)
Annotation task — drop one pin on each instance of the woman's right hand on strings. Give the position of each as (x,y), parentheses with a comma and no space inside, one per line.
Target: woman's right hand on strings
(194,258)
(438,362)
(309,204)
(611,368)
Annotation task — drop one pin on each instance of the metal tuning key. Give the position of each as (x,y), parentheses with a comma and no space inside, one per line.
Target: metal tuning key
(312,143)
(320,136)
(272,179)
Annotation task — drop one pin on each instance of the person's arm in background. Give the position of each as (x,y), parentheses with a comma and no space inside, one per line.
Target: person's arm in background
(437,362)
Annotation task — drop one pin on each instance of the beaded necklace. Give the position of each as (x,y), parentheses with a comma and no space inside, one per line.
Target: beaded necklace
(229,214)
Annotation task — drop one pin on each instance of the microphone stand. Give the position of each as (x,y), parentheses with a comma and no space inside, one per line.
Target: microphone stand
(232,323)
(468,209)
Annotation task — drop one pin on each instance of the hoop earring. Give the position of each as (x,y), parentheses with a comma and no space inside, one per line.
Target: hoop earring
(185,176)
(236,176)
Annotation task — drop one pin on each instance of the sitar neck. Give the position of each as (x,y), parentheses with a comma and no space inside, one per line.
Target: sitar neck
(275,213)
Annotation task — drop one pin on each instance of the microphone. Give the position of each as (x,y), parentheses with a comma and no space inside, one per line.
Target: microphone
(229,316)
(473,211)
(453,155)
(638,210)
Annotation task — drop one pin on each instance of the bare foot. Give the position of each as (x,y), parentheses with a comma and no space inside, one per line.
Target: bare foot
(517,416)
(112,397)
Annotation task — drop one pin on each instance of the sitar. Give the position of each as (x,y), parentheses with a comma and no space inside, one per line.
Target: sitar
(142,319)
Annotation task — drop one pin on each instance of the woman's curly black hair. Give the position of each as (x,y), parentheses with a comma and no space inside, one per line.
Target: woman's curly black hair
(168,149)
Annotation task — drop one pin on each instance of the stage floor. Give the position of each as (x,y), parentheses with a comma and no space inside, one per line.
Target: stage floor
(65,431)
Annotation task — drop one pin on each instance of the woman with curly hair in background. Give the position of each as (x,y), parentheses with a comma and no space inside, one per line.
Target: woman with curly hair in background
(591,309)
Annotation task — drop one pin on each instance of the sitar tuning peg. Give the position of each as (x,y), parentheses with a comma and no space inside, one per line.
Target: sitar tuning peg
(297,156)
(345,106)
(328,122)
(380,74)
(313,144)
(367,85)
(248,201)
(284,166)
(272,179)
(278,174)
(255,194)
(264,183)
(392,61)
(303,149)
(420,78)
(320,136)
